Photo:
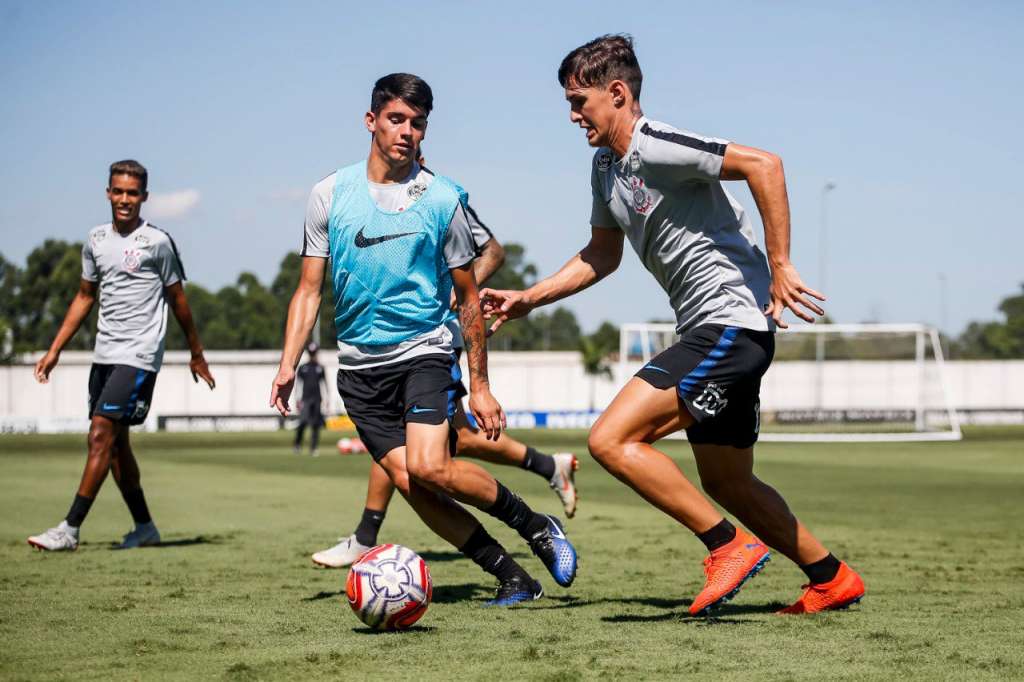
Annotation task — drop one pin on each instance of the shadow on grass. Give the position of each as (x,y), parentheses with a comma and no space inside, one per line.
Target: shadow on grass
(183,542)
(414,628)
(451,594)
(455,556)
(326,595)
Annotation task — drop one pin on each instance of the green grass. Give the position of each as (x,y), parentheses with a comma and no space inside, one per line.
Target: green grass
(937,531)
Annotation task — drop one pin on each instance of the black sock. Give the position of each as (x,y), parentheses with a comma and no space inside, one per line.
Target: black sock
(79,508)
(314,438)
(539,463)
(717,536)
(486,553)
(298,434)
(136,502)
(821,571)
(510,509)
(369,526)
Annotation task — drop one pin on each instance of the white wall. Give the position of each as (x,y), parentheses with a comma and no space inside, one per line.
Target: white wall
(542,381)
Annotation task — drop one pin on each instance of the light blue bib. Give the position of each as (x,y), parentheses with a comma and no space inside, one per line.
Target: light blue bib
(391,279)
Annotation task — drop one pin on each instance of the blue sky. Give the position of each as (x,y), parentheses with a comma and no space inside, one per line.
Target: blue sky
(912,109)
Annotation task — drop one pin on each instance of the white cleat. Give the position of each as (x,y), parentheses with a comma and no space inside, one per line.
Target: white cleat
(564,480)
(142,535)
(62,538)
(342,554)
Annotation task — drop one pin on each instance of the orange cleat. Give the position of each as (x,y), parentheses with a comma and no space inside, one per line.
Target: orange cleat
(842,591)
(727,568)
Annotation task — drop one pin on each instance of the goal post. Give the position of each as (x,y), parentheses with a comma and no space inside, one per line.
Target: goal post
(838,382)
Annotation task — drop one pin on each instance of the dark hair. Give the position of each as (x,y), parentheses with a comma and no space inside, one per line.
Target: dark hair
(129,167)
(411,89)
(602,61)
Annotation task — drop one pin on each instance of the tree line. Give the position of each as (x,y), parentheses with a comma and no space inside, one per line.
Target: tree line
(247,314)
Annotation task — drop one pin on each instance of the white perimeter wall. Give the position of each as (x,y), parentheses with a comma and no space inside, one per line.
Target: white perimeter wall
(543,381)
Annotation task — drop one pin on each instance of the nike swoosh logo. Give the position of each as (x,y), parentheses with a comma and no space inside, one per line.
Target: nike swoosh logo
(362,241)
(556,531)
(419,410)
(108,406)
(659,369)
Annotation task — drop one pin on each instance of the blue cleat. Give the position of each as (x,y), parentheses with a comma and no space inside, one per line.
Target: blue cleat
(559,556)
(516,590)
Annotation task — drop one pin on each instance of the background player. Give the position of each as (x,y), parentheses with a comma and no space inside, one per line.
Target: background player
(137,272)
(557,469)
(398,242)
(661,187)
(314,380)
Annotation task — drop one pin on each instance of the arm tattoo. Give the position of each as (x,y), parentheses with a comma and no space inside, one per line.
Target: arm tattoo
(473,340)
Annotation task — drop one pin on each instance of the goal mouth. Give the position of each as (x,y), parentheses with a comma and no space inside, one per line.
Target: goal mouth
(838,382)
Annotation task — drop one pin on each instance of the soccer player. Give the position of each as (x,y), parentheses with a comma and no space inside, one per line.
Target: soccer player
(661,187)
(398,242)
(135,269)
(313,378)
(557,469)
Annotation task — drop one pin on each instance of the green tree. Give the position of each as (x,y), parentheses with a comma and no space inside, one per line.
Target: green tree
(45,287)
(996,340)
(596,352)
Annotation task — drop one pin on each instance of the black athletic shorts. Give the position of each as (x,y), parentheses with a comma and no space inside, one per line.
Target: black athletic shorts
(717,372)
(381,400)
(120,393)
(311,414)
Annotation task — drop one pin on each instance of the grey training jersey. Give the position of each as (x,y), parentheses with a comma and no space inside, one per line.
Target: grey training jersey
(132,271)
(465,237)
(690,233)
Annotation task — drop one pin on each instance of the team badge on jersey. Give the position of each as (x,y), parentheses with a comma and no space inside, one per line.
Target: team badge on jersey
(142,240)
(641,197)
(634,161)
(604,161)
(132,260)
(416,190)
(97,236)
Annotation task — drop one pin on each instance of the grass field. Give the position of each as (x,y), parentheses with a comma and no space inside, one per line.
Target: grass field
(937,531)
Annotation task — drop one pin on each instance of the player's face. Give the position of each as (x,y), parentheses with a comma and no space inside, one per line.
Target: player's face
(593,110)
(398,129)
(126,197)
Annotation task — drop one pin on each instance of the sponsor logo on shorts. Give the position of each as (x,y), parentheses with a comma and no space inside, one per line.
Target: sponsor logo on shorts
(757,417)
(141,408)
(416,409)
(132,260)
(712,400)
(108,406)
(604,162)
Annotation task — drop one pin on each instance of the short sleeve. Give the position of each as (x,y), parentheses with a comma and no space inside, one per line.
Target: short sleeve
(459,243)
(600,213)
(682,156)
(481,233)
(90,272)
(169,262)
(318,210)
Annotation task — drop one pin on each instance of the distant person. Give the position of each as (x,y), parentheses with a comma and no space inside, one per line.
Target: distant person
(313,379)
(662,188)
(135,268)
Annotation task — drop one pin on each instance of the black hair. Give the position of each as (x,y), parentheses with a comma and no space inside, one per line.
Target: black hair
(601,61)
(411,89)
(129,167)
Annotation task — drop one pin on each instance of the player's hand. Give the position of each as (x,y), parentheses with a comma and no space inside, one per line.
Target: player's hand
(200,370)
(45,366)
(788,291)
(502,305)
(281,390)
(488,413)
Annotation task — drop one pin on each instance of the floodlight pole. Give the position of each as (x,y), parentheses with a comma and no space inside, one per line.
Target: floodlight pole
(819,345)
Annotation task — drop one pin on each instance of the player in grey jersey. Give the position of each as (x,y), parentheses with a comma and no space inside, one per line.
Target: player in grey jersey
(661,188)
(135,269)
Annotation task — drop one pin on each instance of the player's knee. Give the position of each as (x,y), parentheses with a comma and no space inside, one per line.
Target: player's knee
(435,475)
(101,440)
(604,446)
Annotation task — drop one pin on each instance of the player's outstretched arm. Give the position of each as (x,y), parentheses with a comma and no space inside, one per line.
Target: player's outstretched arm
(79,309)
(492,257)
(485,408)
(302,312)
(175,294)
(597,260)
(767,181)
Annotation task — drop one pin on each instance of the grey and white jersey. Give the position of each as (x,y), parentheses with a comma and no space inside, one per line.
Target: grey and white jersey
(465,237)
(689,232)
(132,270)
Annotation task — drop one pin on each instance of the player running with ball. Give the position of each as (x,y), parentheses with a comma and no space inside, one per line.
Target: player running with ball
(662,188)
(398,242)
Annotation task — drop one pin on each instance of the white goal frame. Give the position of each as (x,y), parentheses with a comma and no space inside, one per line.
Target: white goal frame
(923,335)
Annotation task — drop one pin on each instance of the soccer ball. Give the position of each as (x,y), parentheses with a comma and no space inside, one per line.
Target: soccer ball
(389,587)
(350,446)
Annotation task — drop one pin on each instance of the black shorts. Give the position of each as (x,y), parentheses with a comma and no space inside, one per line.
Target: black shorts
(311,414)
(381,400)
(120,393)
(717,372)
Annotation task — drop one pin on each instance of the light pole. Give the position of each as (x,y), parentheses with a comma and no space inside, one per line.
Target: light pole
(822,284)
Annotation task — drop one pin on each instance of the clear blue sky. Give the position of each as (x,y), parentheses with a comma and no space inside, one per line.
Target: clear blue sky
(912,109)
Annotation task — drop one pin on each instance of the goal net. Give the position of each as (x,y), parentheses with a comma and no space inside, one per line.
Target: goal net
(838,382)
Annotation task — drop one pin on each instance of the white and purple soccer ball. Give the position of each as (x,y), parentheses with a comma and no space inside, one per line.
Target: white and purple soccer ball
(389,587)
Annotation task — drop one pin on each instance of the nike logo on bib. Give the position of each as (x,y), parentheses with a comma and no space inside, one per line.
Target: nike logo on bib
(362,242)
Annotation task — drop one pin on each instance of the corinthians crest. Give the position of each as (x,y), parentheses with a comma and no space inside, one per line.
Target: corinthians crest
(641,197)
(132,260)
